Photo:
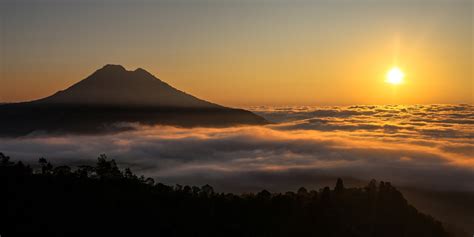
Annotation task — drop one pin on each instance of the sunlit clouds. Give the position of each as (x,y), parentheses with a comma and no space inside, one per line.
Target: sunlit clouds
(423,146)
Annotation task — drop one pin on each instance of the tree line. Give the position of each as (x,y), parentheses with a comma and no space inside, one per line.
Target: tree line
(103,200)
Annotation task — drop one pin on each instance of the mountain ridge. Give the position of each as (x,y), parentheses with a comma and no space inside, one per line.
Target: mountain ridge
(113,95)
(114,85)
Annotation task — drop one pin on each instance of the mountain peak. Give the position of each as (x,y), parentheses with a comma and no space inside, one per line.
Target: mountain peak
(114,85)
(140,70)
(113,67)
(118,71)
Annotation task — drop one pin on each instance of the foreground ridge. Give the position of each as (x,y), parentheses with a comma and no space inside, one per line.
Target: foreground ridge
(103,200)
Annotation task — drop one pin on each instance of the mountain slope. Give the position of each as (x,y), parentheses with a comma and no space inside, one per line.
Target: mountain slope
(113,85)
(114,95)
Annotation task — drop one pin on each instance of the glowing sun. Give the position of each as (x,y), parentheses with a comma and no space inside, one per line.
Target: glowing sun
(395,76)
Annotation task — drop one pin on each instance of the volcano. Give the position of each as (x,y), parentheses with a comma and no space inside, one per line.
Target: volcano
(114,96)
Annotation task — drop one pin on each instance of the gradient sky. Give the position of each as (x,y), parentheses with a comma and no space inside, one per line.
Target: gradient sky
(238,53)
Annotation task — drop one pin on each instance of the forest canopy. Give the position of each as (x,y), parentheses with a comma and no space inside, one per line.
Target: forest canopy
(104,200)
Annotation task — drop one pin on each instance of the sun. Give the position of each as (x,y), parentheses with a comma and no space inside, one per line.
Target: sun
(395,76)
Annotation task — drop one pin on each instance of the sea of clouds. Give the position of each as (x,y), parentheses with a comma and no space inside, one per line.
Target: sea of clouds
(424,146)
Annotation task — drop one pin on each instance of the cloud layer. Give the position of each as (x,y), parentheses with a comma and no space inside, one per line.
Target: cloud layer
(423,146)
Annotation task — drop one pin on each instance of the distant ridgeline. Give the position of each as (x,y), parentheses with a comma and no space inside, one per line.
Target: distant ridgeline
(112,95)
(106,201)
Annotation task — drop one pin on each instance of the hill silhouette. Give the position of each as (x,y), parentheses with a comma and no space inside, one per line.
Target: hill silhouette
(103,200)
(112,95)
(114,85)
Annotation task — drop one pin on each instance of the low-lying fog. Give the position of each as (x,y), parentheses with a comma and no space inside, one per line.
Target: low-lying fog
(420,146)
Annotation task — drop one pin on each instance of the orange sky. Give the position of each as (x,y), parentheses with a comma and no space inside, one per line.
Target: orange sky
(243,53)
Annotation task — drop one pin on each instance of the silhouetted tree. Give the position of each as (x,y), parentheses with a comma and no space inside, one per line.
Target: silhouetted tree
(207,190)
(5,160)
(187,190)
(264,194)
(62,170)
(339,186)
(178,187)
(46,167)
(196,190)
(106,168)
(128,174)
(372,186)
(326,195)
(85,171)
(149,181)
(302,191)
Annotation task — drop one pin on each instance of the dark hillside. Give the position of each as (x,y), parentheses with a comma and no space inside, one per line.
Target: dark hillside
(114,95)
(105,201)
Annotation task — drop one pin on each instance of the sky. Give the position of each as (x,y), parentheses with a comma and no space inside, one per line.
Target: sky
(245,53)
